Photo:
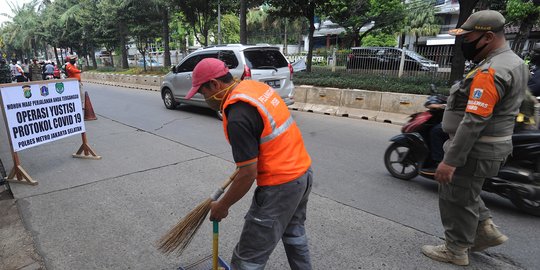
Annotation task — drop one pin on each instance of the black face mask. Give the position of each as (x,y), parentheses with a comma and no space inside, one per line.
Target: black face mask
(469,48)
(73,62)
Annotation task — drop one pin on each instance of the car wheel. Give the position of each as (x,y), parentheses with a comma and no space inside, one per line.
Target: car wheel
(168,99)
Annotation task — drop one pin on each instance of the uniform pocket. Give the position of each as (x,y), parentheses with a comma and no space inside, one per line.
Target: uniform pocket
(487,168)
(260,233)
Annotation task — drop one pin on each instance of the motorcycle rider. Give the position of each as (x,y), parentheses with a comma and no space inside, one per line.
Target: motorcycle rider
(534,82)
(49,69)
(479,119)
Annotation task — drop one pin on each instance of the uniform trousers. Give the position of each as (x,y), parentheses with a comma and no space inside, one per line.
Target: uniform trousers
(276,212)
(460,204)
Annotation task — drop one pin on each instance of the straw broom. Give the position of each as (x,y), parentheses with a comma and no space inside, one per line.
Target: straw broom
(178,237)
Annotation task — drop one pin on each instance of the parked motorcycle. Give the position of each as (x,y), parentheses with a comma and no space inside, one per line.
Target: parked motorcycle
(518,180)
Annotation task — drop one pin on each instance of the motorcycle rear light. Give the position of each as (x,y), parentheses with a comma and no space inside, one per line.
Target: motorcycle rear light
(247,73)
(291,70)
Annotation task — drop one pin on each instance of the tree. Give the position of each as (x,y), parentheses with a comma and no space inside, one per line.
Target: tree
(230,29)
(201,16)
(458,61)
(420,19)
(353,15)
(144,26)
(294,9)
(379,40)
(527,13)
(21,32)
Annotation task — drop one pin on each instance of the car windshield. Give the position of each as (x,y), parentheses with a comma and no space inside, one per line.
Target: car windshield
(265,59)
(416,56)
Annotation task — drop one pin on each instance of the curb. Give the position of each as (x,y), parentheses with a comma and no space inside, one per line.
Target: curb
(352,103)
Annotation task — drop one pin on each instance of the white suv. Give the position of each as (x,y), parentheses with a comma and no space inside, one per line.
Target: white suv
(246,62)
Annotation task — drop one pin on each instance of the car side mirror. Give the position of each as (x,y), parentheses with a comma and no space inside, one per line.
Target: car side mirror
(173,69)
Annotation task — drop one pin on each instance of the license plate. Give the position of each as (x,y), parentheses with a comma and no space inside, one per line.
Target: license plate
(274,84)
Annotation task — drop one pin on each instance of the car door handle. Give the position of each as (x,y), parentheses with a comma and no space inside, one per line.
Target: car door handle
(189,76)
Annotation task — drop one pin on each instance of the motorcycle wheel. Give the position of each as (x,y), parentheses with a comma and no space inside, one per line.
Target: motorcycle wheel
(398,164)
(528,206)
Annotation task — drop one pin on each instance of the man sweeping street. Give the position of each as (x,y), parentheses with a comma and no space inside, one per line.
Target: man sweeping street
(267,146)
(479,119)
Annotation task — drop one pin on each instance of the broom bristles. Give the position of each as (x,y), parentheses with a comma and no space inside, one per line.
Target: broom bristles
(179,237)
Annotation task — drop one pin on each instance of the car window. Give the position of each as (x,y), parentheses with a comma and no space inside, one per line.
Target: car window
(265,58)
(190,63)
(229,58)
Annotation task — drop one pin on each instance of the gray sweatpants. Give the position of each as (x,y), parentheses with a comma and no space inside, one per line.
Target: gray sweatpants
(276,212)
(460,203)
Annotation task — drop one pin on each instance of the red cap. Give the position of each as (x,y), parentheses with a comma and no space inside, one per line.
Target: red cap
(206,70)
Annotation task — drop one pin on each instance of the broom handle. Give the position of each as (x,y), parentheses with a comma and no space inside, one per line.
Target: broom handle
(215,250)
(215,196)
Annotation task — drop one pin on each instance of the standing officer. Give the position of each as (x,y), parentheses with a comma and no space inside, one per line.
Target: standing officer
(267,145)
(479,119)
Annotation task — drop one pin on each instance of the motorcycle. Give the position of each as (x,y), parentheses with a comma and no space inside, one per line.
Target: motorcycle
(518,179)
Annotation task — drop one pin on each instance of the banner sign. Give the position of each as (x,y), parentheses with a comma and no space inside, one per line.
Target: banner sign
(42,112)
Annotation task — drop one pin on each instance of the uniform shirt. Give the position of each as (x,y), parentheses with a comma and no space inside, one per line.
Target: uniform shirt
(245,126)
(485,103)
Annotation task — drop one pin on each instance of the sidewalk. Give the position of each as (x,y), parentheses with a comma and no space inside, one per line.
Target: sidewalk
(107,214)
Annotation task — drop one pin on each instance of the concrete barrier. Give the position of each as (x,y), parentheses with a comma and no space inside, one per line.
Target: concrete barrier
(355,103)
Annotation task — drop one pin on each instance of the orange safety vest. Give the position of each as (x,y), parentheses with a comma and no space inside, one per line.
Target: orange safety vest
(282,155)
(73,72)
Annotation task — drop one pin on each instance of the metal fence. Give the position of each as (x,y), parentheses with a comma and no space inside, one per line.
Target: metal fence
(432,61)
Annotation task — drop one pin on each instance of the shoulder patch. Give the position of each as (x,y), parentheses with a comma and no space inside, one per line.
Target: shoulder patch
(483,94)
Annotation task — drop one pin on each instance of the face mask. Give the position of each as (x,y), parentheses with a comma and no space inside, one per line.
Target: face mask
(469,48)
(214,102)
(73,62)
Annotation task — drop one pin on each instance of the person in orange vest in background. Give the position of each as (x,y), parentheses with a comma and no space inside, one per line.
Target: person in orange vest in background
(267,146)
(73,72)
(71,68)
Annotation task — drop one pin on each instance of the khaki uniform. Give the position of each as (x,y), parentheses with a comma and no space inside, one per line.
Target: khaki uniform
(479,119)
(35,72)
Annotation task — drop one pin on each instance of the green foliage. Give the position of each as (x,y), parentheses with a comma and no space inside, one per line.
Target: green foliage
(353,15)
(411,85)
(517,10)
(420,18)
(379,40)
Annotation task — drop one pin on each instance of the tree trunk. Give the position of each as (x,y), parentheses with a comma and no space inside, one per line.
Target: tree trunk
(166,37)
(243,23)
(123,44)
(311,18)
(56,55)
(524,30)
(93,56)
(458,62)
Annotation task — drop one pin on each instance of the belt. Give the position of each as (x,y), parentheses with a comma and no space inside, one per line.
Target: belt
(488,139)
(492,139)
